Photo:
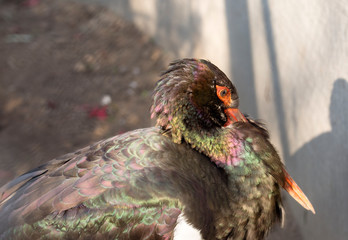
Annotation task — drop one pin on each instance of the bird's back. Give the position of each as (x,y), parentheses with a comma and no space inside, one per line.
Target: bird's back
(112,180)
(131,186)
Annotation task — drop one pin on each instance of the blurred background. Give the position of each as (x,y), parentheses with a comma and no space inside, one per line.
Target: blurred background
(74,72)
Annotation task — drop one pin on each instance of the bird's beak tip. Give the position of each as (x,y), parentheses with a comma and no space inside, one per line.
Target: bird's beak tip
(294,190)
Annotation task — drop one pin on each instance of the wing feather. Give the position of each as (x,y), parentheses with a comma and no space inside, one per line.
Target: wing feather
(112,179)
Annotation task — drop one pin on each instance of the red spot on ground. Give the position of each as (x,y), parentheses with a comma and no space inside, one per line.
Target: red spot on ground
(99,113)
(31,3)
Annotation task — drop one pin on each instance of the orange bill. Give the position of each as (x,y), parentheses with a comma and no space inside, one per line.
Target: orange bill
(291,187)
(234,115)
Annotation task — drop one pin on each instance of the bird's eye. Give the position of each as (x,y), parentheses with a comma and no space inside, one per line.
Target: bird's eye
(223,93)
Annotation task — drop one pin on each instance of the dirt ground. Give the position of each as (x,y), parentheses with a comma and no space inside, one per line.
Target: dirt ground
(72,74)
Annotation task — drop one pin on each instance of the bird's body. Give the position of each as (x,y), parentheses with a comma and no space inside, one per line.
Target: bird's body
(220,172)
(133,181)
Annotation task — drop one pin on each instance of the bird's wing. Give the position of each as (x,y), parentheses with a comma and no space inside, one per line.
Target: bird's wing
(118,176)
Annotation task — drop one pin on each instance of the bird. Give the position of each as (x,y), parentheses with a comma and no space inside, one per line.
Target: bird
(204,163)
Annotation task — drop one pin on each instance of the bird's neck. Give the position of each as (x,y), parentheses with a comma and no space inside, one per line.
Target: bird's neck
(224,146)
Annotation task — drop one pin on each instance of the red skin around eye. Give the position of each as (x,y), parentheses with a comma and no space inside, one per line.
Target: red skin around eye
(225,99)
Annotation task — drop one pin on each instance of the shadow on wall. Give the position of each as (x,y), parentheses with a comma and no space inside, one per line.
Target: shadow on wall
(326,156)
(237,17)
(182,28)
(278,97)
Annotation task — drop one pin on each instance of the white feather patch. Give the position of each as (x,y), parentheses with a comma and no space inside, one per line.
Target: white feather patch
(185,230)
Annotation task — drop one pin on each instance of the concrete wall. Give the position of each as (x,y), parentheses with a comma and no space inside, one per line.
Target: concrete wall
(289,61)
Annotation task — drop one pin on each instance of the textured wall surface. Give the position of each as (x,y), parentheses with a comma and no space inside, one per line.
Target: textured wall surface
(289,60)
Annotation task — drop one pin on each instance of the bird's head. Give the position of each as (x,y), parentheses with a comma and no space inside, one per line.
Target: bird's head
(194,95)
(194,100)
